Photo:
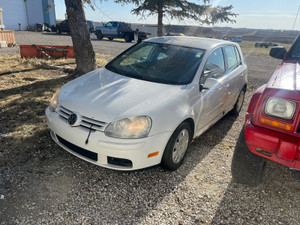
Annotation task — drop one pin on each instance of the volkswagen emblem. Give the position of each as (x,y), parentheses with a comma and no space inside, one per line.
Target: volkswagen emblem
(72,119)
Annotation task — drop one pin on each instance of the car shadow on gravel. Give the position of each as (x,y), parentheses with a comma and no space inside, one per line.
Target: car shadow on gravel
(53,184)
(55,34)
(277,197)
(111,41)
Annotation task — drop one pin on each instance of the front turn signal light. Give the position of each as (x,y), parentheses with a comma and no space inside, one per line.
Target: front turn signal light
(275,123)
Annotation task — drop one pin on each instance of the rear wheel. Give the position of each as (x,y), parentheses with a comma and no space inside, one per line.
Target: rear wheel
(239,103)
(128,38)
(176,148)
(246,168)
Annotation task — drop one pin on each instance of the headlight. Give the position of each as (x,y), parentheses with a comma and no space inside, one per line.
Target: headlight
(54,101)
(280,108)
(132,127)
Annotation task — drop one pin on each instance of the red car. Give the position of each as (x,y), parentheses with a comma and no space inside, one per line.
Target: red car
(272,126)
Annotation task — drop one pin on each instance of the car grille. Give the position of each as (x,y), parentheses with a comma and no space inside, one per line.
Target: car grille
(85,122)
(78,150)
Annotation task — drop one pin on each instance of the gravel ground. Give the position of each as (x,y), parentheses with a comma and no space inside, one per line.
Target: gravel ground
(54,187)
(28,38)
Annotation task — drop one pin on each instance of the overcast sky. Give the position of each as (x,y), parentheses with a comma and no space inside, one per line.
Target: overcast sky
(262,14)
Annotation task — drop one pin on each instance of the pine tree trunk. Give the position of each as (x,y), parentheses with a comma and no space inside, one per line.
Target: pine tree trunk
(83,49)
(160,18)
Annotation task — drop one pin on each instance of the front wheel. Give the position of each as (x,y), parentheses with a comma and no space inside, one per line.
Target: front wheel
(247,168)
(99,35)
(176,148)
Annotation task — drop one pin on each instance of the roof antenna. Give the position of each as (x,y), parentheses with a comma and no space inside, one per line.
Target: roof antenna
(296,17)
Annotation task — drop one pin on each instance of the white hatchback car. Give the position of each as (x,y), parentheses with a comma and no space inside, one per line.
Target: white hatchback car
(146,105)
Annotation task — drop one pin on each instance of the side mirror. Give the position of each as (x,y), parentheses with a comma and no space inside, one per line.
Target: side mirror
(210,83)
(278,52)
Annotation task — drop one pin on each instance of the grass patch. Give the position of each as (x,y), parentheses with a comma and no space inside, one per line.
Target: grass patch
(25,91)
(248,47)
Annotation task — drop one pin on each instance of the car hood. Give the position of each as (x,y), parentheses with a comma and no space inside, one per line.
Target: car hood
(286,76)
(107,96)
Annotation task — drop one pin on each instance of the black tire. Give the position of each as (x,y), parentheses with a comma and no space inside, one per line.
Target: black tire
(246,168)
(256,45)
(99,35)
(110,38)
(168,162)
(58,31)
(296,175)
(239,103)
(128,38)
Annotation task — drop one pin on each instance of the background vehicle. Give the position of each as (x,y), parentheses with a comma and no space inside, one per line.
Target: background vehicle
(272,126)
(63,27)
(237,39)
(146,105)
(116,29)
(264,44)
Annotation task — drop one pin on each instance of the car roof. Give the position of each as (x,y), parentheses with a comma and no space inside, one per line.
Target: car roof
(194,42)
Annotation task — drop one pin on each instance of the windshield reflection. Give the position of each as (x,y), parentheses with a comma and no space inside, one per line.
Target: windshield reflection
(156,62)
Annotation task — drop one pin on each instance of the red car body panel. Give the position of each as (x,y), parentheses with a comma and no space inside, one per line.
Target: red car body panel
(276,144)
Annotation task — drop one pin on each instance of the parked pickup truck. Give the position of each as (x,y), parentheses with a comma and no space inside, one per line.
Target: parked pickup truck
(116,29)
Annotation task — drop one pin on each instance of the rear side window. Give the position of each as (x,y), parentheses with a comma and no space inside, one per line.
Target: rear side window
(231,57)
(238,56)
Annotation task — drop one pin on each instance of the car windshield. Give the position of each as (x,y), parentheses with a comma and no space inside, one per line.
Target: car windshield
(294,53)
(156,62)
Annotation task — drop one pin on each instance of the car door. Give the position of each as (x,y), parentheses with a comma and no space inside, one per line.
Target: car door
(110,29)
(65,26)
(114,29)
(209,102)
(234,80)
(106,29)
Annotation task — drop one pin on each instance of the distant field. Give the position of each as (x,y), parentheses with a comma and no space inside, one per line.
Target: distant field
(248,48)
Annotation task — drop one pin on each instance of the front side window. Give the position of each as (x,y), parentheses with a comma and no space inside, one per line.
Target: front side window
(109,24)
(215,66)
(162,63)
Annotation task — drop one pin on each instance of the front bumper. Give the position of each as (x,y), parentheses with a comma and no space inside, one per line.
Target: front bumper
(273,145)
(102,150)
